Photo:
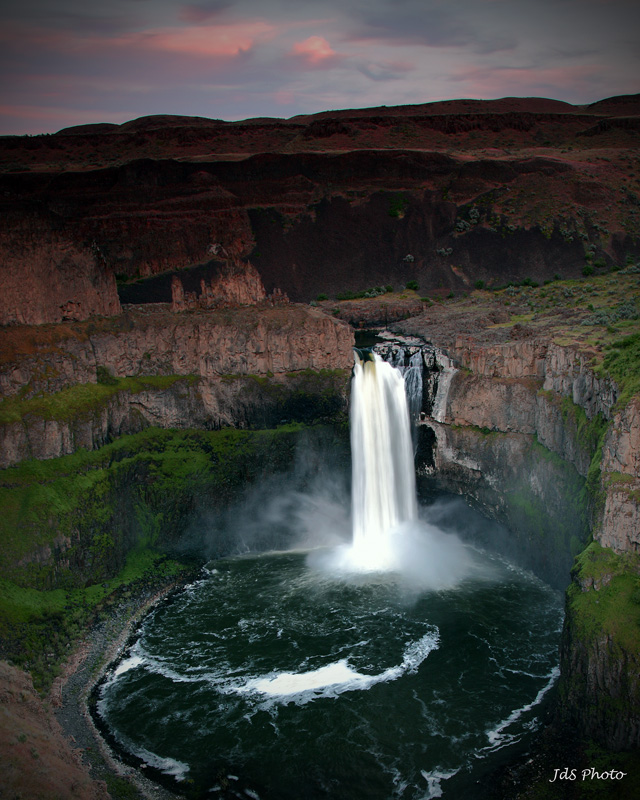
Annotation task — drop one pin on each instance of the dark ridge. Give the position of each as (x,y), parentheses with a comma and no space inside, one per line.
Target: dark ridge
(82,130)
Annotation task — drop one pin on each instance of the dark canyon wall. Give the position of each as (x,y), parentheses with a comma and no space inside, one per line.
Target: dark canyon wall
(444,195)
(531,435)
(147,336)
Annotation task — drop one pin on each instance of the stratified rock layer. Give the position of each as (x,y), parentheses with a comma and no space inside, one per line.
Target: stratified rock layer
(240,366)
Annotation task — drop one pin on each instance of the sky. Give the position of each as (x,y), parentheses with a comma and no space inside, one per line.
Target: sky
(73,62)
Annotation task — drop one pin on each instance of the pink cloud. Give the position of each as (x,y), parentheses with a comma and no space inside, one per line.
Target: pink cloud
(202,40)
(316,52)
(284,97)
(221,40)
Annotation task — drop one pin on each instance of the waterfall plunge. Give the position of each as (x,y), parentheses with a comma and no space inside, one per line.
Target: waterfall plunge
(388,537)
(383,488)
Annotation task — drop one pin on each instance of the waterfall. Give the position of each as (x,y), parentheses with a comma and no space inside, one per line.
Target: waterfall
(383,483)
(447,372)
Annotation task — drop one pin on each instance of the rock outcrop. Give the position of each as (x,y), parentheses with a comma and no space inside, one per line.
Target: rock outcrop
(341,213)
(47,277)
(243,367)
(235,284)
(531,434)
(260,340)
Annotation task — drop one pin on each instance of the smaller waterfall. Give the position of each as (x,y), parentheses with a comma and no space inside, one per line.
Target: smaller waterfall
(410,365)
(445,377)
(383,490)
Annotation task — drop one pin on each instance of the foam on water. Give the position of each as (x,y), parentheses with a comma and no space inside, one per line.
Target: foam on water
(497,737)
(420,555)
(168,766)
(434,781)
(132,662)
(337,677)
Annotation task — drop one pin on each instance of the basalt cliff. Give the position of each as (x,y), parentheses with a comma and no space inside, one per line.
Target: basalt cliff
(180,299)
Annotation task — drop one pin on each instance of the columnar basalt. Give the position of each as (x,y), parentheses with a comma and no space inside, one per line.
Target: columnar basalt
(536,439)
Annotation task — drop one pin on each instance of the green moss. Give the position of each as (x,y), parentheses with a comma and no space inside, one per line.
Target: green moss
(622,363)
(78,530)
(618,479)
(71,520)
(590,432)
(84,398)
(604,597)
(37,627)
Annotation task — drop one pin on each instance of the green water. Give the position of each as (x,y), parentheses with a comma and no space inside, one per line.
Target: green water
(270,679)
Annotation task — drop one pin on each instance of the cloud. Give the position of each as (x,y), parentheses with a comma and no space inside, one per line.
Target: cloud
(236,59)
(202,12)
(203,40)
(316,52)
(386,70)
(438,28)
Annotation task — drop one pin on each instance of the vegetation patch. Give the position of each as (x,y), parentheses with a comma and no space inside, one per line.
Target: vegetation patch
(84,398)
(589,432)
(71,521)
(37,628)
(622,363)
(604,596)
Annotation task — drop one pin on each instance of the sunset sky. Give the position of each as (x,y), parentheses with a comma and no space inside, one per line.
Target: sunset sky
(73,62)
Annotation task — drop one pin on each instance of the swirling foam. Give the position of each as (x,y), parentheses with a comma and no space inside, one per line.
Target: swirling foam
(335,678)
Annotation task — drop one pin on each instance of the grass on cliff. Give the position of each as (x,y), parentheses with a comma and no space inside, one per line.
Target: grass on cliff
(38,628)
(622,362)
(605,596)
(598,316)
(78,530)
(83,398)
(87,506)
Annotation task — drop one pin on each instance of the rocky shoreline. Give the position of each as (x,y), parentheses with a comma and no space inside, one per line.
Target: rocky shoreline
(71,691)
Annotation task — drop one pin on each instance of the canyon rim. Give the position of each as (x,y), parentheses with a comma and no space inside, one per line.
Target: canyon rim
(180,300)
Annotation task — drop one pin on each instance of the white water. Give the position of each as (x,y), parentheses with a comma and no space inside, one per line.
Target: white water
(387,535)
(383,482)
(337,677)
(439,411)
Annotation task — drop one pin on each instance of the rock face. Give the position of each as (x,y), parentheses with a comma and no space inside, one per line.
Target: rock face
(600,657)
(321,204)
(503,403)
(47,277)
(523,387)
(208,344)
(235,284)
(242,367)
(621,468)
(521,484)
(36,759)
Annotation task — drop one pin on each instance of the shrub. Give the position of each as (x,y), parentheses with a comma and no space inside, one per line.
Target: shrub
(397,205)
(104,376)
(322,296)
(587,270)
(479,284)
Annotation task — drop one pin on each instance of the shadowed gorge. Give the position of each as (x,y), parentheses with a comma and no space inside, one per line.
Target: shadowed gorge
(181,413)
